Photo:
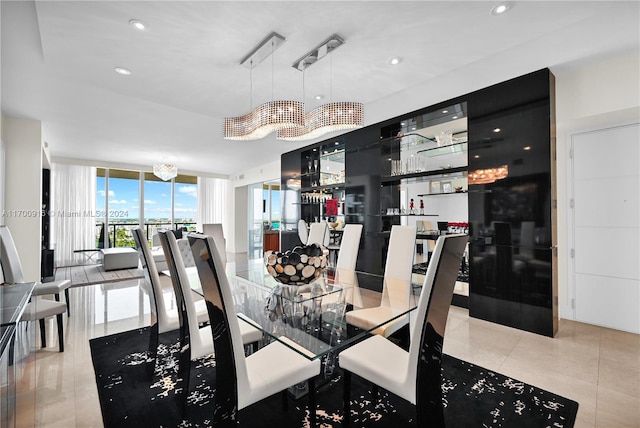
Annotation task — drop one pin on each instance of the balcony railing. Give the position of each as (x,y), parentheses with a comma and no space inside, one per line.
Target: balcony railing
(121,235)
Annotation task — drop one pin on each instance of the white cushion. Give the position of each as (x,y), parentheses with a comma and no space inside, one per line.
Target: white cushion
(55,287)
(273,369)
(42,308)
(382,362)
(185,251)
(371,317)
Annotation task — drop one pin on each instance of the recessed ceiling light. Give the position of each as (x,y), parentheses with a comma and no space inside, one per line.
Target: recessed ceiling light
(445,111)
(501,8)
(138,25)
(413,128)
(496,130)
(476,157)
(319,97)
(123,71)
(527,148)
(402,123)
(395,61)
(454,117)
(336,143)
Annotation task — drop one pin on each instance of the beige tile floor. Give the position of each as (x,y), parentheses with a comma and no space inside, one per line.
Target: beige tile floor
(598,367)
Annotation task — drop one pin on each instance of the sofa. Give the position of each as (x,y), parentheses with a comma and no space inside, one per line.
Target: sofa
(158,253)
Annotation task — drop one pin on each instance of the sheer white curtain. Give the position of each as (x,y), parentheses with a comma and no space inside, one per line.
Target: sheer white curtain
(73,205)
(213,200)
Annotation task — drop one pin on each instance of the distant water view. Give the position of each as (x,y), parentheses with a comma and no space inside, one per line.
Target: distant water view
(123,210)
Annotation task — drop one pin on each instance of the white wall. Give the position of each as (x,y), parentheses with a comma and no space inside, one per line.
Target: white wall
(595,96)
(23,200)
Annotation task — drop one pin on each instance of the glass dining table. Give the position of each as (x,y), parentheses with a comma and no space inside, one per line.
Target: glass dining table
(310,319)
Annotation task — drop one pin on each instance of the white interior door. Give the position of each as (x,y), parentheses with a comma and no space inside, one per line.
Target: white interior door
(606,227)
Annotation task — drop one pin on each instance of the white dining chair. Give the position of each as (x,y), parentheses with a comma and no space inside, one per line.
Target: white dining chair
(345,270)
(163,319)
(215,230)
(303,231)
(413,375)
(396,287)
(317,232)
(38,308)
(14,274)
(196,341)
(240,380)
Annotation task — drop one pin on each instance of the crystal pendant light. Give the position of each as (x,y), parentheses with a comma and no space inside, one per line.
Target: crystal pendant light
(165,171)
(270,116)
(331,117)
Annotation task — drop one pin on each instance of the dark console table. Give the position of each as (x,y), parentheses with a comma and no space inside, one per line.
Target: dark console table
(13,300)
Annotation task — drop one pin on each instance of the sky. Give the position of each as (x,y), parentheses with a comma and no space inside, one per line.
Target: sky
(124,201)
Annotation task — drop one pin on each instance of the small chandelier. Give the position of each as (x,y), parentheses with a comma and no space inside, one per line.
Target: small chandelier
(165,171)
(270,116)
(330,117)
(489,175)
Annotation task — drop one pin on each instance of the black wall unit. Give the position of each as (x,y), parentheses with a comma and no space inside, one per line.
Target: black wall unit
(290,194)
(513,276)
(511,244)
(47,257)
(46,206)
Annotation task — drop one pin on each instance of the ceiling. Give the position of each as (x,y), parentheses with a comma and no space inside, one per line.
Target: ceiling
(58,61)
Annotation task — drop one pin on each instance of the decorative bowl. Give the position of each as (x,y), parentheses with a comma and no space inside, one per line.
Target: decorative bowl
(297,266)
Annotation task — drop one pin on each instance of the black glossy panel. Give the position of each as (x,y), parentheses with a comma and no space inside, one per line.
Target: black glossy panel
(510,125)
(184,359)
(362,195)
(290,190)
(428,377)
(226,408)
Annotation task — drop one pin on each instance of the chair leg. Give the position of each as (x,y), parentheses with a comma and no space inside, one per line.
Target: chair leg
(312,402)
(60,332)
(43,334)
(285,401)
(346,397)
(66,296)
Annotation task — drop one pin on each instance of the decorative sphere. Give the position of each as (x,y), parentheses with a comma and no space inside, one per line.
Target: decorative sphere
(298,266)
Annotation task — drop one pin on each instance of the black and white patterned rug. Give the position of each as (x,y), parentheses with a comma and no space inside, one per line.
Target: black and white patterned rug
(472,396)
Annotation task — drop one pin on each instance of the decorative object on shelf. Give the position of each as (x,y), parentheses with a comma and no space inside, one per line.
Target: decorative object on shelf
(314,198)
(459,189)
(411,211)
(270,116)
(330,117)
(446,187)
(489,175)
(421,207)
(298,266)
(434,187)
(444,138)
(165,171)
(332,207)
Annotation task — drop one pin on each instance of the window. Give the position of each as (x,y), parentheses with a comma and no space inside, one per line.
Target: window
(166,204)
(271,205)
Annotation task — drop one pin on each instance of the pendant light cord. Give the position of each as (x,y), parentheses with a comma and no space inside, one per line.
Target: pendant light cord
(251,86)
(330,77)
